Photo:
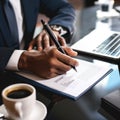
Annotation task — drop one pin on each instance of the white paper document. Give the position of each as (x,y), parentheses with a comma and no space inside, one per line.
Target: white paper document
(72,84)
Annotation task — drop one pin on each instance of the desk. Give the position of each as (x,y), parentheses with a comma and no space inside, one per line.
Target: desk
(87,107)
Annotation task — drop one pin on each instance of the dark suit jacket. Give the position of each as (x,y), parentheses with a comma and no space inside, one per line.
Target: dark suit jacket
(60,12)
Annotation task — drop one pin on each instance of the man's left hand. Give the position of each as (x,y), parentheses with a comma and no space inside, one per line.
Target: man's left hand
(43,41)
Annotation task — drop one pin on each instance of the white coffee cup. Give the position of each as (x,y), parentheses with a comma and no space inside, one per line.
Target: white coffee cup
(106,5)
(19,100)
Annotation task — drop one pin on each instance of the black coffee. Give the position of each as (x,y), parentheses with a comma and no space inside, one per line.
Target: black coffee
(105,7)
(19,93)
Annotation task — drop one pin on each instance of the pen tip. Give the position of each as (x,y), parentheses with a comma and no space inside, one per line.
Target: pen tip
(75,69)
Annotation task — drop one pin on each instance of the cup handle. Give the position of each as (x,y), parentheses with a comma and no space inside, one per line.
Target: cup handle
(18,107)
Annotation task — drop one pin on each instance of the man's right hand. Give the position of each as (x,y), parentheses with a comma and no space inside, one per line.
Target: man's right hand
(48,63)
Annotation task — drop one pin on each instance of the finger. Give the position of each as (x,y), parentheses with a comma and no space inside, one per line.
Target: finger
(70,51)
(52,43)
(67,59)
(31,45)
(39,45)
(46,41)
(59,65)
(39,41)
(61,41)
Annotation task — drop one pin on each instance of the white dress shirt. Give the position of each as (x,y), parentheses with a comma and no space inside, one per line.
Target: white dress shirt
(13,61)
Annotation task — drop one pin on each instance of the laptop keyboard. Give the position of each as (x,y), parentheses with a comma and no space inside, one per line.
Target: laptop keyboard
(110,46)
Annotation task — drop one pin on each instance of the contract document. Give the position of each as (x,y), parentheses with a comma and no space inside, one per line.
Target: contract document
(72,84)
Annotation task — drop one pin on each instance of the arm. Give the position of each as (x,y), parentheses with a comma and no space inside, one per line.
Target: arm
(5,54)
(60,13)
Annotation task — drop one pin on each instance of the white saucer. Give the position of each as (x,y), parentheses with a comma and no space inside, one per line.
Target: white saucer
(39,113)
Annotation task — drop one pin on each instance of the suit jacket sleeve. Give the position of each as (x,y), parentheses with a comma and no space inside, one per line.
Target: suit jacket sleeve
(5,54)
(61,13)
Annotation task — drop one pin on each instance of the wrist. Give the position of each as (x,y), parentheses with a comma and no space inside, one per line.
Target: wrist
(13,61)
(22,63)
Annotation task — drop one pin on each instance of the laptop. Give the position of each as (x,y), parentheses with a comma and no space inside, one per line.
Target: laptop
(100,44)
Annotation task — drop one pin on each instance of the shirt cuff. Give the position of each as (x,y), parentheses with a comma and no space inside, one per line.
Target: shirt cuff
(13,61)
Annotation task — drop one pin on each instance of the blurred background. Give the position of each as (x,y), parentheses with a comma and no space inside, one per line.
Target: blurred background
(85,17)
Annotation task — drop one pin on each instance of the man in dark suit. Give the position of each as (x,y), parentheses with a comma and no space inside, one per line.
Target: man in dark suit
(18,54)
(46,61)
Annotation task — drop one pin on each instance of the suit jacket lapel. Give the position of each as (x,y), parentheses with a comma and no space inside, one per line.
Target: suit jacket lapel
(30,11)
(4,28)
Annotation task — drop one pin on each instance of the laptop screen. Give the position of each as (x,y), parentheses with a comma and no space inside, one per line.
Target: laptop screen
(101,45)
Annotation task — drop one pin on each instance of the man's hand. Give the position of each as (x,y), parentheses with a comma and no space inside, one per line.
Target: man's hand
(43,41)
(48,63)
